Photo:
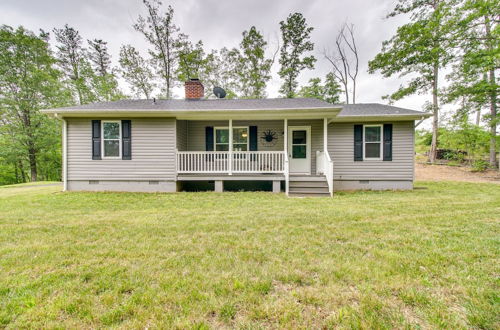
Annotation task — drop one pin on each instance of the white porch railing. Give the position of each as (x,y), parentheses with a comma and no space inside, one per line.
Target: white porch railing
(324,165)
(230,162)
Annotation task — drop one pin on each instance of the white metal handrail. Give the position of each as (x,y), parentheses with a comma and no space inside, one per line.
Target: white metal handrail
(231,162)
(328,171)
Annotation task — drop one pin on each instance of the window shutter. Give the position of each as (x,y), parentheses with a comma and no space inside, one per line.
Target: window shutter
(252,135)
(126,139)
(387,142)
(96,139)
(358,142)
(209,138)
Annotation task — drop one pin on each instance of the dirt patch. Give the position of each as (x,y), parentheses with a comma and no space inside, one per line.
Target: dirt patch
(426,172)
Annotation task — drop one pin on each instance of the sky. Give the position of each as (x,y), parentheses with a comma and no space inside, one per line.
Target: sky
(220,23)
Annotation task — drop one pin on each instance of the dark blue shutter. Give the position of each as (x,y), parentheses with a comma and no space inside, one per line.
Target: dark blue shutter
(253,138)
(358,142)
(387,142)
(209,138)
(96,139)
(126,139)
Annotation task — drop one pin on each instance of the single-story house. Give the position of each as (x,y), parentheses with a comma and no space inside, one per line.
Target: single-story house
(302,146)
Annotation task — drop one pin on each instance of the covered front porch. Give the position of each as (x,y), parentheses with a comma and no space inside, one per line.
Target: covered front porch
(252,150)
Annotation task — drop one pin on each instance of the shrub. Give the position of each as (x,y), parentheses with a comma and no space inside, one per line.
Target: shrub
(480,166)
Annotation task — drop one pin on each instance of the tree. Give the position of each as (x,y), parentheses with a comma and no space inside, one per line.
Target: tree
(191,59)
(136,71)
(476,35)
(254,69)
(345,59)
(103,76)
(161,32)
(74,64)
(296,44)
(329,91)
(29,81)
(221,70)
(420,49)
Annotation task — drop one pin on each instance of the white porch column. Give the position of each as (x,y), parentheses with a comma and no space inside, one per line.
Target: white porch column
(285,137)
(230,167)
(325,134)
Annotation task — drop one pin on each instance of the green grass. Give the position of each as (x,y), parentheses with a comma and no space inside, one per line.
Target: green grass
(427,258)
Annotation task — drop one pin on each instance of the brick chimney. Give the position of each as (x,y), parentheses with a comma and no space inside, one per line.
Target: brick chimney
(194,89)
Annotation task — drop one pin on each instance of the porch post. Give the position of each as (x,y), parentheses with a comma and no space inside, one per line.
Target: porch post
(325,135)
(285,137)
(230,167)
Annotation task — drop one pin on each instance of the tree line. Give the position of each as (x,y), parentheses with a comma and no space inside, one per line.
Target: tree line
(60,68)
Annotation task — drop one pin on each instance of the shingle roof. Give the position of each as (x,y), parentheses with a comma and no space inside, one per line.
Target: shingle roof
(375,109)
(347,110)
(206,104)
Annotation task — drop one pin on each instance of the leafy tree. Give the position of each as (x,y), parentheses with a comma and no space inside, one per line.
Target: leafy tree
(254,69)
(329,91)
(104,82)
(192,60)
(476,36)
(29,81)
(74,64)
(296,44)
(160,31)
(136,71)
(221,70)
(420,49)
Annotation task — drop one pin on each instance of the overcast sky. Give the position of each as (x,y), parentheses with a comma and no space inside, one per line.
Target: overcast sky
(220,23)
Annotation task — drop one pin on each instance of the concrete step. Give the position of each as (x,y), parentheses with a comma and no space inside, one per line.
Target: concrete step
(290,194)
(307,178)
(309,184)
(309,190)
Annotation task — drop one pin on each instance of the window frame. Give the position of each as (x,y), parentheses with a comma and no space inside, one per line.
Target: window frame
(231,142)
(380,142)
(103,155)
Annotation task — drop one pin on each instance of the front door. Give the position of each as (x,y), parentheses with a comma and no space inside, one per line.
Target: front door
(299,149)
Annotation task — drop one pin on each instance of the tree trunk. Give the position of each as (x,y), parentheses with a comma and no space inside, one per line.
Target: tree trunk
(478,116)
(493,122)
(346,94)
(21,170)
(32,160)
(354,92)
(493,100)
(435,119)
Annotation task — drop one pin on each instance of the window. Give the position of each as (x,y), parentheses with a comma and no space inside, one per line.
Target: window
(111,139)
(372,141)
(299,144)
(240,138)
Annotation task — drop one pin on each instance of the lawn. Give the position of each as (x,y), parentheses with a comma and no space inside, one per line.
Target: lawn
(420,259)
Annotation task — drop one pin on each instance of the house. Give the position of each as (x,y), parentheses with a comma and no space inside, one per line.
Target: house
(302,146)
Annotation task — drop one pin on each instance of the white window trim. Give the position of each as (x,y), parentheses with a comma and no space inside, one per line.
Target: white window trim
(231,142)
(380,142)
(120,139)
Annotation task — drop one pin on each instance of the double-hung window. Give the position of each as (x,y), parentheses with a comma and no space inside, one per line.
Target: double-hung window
(240,138)
(111,139)
(372,141)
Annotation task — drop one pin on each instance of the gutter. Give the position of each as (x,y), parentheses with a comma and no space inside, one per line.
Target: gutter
(64,151)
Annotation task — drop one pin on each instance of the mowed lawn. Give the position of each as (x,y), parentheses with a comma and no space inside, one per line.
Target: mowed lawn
(420,259)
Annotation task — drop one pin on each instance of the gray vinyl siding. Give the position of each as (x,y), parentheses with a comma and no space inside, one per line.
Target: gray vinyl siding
(182,133)
(196,134)
(153,152)
(341,149)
